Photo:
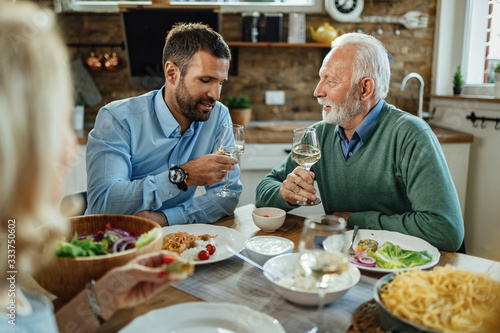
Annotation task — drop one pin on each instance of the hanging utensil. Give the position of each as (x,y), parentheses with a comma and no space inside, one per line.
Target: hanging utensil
(111,63)
(410,20)
(94,62)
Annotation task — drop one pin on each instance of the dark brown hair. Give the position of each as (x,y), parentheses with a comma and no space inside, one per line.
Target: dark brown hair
(185,39)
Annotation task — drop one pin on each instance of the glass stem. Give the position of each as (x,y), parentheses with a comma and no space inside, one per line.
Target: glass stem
(321,304)
(226,185)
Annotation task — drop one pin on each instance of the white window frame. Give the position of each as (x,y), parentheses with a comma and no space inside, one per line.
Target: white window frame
(94,6)
(308,6)
(454,45)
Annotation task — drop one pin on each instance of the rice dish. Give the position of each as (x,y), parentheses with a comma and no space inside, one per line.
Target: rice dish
(295,278)
(192,253)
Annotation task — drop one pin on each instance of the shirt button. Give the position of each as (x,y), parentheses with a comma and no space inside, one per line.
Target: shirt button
(177,130)
(172,165)
(170,195)
(152,207)
(350,153)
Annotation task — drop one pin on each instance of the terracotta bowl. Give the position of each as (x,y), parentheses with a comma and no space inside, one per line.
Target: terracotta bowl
(66,277)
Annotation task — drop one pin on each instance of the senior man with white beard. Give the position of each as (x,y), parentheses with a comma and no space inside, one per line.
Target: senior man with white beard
(380,167)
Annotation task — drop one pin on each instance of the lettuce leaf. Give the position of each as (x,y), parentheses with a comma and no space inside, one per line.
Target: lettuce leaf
(392,256)
(79,248)
(147,237)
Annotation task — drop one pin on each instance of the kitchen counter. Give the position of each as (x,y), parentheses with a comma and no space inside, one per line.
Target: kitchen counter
(282,132)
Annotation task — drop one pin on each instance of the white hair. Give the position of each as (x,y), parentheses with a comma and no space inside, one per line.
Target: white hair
(371,60)
(35,102)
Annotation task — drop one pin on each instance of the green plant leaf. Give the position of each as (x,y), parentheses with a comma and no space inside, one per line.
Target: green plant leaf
(458,79)
(239,102)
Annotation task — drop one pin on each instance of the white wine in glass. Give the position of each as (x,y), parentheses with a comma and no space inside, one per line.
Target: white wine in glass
(306,152)
(232,143)
(323,256)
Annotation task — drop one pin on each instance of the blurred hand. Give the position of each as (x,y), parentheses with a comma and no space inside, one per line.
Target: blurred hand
(345,215)
(298,186)
(158,217)
(129,285)
(208,169)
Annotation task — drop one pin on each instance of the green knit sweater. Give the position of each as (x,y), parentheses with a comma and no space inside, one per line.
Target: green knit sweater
(397,180)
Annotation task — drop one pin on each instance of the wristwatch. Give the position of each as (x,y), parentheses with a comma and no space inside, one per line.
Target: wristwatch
(178,177)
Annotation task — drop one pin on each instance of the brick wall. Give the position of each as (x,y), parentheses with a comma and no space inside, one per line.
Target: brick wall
(294,70)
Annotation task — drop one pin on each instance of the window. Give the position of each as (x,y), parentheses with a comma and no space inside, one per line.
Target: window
(269,6)
(482,41)
(467,34)
(95,5)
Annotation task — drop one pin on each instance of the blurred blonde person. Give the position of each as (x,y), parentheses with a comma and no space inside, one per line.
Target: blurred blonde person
(36,146)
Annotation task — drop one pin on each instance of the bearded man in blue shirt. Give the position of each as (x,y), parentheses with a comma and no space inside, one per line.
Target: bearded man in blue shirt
(146,155)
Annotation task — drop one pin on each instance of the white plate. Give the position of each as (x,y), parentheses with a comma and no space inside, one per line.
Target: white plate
(405,241)
(196,317)
(225,236)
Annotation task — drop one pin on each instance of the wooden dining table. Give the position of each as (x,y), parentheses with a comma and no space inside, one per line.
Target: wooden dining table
(291,229)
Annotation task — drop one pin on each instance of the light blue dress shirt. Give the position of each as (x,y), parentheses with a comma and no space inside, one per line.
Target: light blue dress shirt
(349,147)
(133,145)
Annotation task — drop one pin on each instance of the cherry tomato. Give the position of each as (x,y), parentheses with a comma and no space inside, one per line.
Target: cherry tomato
(167,258)
(210,248)
(203,255)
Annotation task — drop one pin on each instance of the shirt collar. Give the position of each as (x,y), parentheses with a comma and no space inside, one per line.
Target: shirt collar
(366,126)
(167,121)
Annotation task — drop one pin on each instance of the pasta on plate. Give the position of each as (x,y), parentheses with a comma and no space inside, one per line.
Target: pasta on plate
(446,299)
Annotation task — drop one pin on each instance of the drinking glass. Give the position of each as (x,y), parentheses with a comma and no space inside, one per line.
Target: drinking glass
(306,152)
(323,255)
(232,143)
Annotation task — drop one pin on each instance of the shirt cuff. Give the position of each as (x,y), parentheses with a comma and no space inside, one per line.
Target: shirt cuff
(175,216)
(166,189)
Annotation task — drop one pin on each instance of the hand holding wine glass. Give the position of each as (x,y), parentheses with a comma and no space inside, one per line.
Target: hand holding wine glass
(324,261)
(232,143)
(306,152)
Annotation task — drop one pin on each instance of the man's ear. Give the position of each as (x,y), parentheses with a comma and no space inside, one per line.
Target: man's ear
(172,72)
(366,88)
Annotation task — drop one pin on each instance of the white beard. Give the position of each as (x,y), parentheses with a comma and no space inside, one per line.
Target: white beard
(342,114)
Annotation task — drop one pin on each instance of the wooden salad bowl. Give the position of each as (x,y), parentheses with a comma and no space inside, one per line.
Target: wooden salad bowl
(66,277)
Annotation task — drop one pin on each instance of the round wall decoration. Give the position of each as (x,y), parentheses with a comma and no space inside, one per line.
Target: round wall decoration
(344,10)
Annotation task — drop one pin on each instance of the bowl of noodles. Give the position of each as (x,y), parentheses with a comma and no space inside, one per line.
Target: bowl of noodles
(445,299)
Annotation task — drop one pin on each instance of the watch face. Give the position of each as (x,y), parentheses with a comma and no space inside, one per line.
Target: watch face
(176,176)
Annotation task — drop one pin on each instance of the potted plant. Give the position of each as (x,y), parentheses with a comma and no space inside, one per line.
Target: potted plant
(78,112)
(497,80)
(240,109)
(458,82)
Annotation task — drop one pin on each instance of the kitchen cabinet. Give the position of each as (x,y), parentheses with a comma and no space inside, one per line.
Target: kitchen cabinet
(76,177)
(457,157)
(481,214)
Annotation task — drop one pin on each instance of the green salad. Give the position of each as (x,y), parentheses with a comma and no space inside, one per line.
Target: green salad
(390,256)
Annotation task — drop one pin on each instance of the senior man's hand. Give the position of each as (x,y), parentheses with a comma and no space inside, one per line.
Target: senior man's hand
(298,186)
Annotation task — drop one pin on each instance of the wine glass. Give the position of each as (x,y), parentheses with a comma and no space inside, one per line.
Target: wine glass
(232,143)
(306,152)
(323,255)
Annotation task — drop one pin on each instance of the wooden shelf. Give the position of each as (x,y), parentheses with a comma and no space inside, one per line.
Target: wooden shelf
(277,44)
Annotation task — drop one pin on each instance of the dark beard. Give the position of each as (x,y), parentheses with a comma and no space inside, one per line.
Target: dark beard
(188,106)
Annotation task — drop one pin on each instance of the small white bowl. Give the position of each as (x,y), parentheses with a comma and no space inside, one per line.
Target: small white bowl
(282,267)
(262,248)
(268,219)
